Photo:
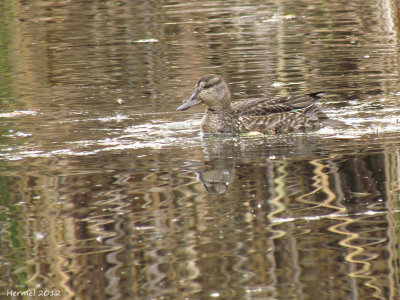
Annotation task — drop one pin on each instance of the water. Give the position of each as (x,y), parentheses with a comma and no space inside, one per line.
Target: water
(108,192)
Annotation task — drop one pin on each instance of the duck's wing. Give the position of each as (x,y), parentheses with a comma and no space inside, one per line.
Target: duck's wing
(260,107)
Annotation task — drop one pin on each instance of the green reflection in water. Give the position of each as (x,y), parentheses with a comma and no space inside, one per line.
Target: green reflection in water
(11,226)
(6,14)
(12,222)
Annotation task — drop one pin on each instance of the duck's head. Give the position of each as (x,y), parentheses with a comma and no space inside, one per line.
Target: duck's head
(211,90)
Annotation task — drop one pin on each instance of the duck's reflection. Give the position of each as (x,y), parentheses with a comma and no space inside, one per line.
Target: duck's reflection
(218,175)
(222,152)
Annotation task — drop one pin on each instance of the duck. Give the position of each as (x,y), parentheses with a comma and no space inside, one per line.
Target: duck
(267,116)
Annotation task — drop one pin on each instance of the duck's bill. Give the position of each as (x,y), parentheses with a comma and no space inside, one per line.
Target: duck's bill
(191,102)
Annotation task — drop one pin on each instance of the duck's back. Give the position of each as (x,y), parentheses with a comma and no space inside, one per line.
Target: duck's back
(260,107)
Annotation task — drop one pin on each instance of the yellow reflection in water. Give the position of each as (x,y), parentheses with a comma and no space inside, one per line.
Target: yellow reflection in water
(340,228)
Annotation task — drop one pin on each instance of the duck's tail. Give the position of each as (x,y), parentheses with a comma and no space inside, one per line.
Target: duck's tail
(314,112)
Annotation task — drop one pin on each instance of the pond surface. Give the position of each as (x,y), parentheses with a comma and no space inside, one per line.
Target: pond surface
(108,193)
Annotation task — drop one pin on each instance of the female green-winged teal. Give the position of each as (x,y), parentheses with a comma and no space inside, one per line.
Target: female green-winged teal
(279,115)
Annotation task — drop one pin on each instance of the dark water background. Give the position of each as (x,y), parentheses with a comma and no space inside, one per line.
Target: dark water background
(108,193)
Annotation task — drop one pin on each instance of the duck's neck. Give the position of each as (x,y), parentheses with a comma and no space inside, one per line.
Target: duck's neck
(220,110)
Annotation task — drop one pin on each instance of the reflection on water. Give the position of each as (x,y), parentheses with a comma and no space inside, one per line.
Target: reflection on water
(277,224)
(107,191)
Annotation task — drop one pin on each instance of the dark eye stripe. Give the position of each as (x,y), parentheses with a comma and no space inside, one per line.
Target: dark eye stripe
(210,84)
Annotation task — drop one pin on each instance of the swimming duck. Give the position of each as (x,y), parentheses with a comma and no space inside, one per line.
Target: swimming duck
(278,115)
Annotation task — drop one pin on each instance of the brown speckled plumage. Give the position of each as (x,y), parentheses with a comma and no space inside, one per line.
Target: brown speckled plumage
(279,115)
